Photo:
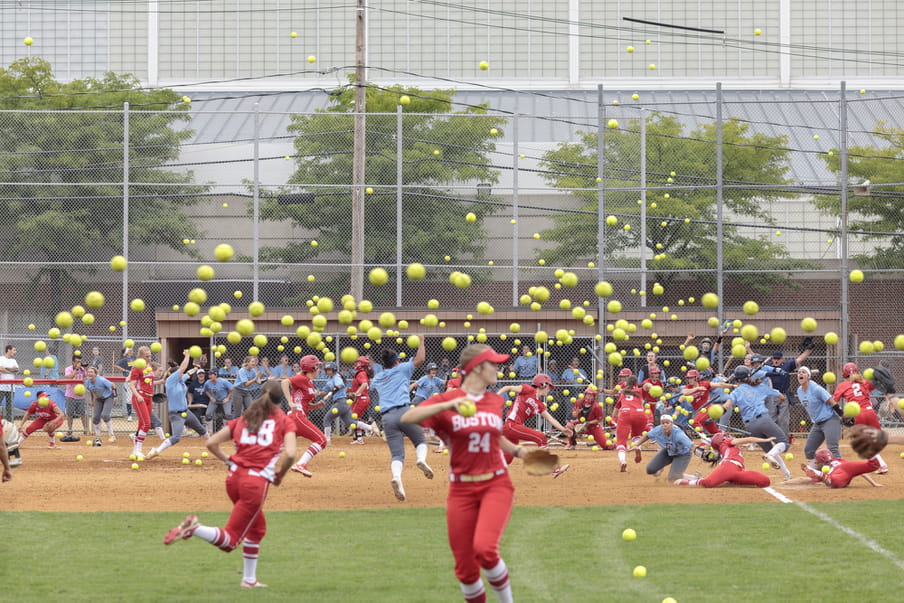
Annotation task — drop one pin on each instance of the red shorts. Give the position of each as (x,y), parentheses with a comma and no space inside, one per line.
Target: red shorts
(730,473)
(39,423)
(868,417)
(304,428)
(248,493)
(476,516)
(633,422)
(360,406)
(517,432)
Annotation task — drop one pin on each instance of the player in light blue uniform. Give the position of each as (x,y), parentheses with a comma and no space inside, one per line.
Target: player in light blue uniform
(428,385)
(336,390)
(750,397)
(674,449)
(392,386)
(826,422)
(101,395)
(177,397)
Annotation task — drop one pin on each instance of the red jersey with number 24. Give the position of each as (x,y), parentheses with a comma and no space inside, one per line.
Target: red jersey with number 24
(526,405)
(473,441)
(259,451)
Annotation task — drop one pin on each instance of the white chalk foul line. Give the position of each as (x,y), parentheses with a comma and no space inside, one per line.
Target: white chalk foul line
(867,542)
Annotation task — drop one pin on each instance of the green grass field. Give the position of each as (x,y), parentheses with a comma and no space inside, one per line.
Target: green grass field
(763,552)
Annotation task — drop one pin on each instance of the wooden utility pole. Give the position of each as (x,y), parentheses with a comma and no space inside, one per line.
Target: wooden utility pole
(357,272)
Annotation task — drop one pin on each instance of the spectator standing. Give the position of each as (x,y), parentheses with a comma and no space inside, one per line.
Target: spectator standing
(525,365)
(53,371)
(219,397)
(96,361)
(644,372)
(197,394)
(229,371)
(574,373)
(282,370)
(8,369)
(122,368)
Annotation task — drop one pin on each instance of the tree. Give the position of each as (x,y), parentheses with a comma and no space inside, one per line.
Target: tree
(71,137)
(880,211)
(441,148)
(680,229)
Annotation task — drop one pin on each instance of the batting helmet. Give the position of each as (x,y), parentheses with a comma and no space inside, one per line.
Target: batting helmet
(625,372)
(655,369)
(849,369)
(309,363)
(756,359)
(589,395)
(431,367)
(823,456)
(693,374)
(330,366)
(362,363)
(741,373)
(717,439)
(542,380)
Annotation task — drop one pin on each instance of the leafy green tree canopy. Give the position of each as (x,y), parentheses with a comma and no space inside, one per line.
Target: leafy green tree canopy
(441,148)
(680,227)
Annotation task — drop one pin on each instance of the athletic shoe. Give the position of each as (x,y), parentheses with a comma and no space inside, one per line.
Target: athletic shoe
(814,474)
(560,470)
(428,472)
(771,460)
(624,467)
(183,531)
(255,584)
(682,482)
(97,442)
(397,489)
(375,429)
(358,442)
(54,446)
(637,456)
(439,450)
(153,452)
(111,439)
(882,470)
(129,419)
(302,469)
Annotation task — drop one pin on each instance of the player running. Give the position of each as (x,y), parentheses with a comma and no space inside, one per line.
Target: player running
(264,450)
(391,385)
(179,415)
(857,389)
(303,395)
(48,416)
(731,468)
(360,394)
(632,419)
(481,492)
(529,403)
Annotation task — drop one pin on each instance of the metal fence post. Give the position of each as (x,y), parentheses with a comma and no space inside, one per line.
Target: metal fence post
(255,219)
(843,143)
(515,231)
(399,206)
(720,268)
(600,206)
(643,206)
(125,219)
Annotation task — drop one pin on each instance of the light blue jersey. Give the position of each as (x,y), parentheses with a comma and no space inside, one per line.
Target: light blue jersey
(392,385)
(815,399)
(176,391)
(101,387)
(675,444)
(427,386)
(569,375)
(751,400)
(336,385)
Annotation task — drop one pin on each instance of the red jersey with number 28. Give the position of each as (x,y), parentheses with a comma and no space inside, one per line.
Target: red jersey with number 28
(855,391)
(473,441)
(42,412)
(303,392)
(526,405)
(259,451)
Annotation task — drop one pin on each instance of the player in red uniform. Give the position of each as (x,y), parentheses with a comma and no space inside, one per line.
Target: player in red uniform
(481,492)
(359,393)
(264,440)
(857,389)
(632,418)
(529,403)
(141,384)
(48,416)
(731,465)
(699,391)
(840,472)
(589,414)
(302,395)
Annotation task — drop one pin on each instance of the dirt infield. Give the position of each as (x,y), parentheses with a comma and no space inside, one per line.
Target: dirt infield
(52,480)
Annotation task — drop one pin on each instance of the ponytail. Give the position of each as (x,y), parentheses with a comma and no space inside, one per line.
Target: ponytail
(261,408)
